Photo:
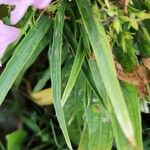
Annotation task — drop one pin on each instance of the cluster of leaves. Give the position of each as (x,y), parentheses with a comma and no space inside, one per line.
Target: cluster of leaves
(97,65)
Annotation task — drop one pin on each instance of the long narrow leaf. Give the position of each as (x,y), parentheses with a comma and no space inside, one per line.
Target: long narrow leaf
(99,128)
(21,56)
(106,67)
(55,62)
(79,58)
(44,42)
(85,68)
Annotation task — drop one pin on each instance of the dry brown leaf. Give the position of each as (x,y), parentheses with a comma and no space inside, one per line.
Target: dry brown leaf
(146,62)
(125,5)
(139,77)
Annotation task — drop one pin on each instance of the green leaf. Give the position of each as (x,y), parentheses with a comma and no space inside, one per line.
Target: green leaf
(134,24)
(144,42)
(117,25)
(79,58)
(133,104)
(46,77)
(99,128)
(105,65)
(42,81)
(15,140)
(74,107)
(85,68)
(97,133)
(44,42)
(143,15)
(84,139)
(98,83)
(55,62)
(22,54)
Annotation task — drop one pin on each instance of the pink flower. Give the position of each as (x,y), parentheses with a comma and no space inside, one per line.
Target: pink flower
(21,7)
(7,36)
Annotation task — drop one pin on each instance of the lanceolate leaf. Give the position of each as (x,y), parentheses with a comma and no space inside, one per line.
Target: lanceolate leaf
(84,139)
(105,64)
(42,81)
(97,133)
(44,42)
(98,83)
(55,62)
(85,68)
(79,58)
(99,128)
(22,54)
(132,101)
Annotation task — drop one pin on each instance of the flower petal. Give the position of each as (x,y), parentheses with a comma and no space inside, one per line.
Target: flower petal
(19,11)
(8,2)
(7,36)
(41,4)
(9,33)
(2,49)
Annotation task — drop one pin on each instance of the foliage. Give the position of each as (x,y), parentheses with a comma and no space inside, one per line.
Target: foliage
(91,58)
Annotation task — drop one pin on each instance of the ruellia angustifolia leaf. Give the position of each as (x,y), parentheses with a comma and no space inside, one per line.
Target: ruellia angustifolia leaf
(74,106)
(46,77)
(44,42)
(76,68)
(22,54)
(98,117)
(84,139)
(133,104)
(99,126)
(55,69)
(42,81)
(94,70)
(97,132)
(104,59)
(85,68)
